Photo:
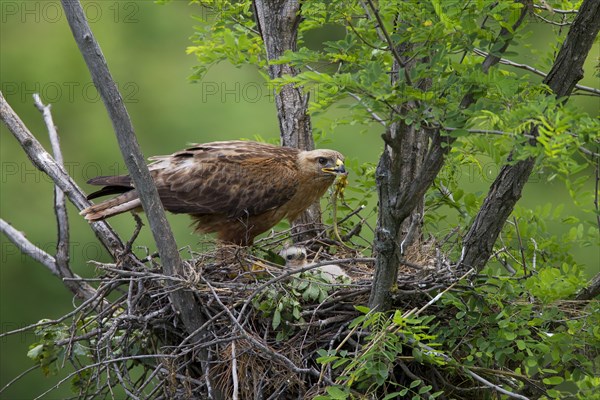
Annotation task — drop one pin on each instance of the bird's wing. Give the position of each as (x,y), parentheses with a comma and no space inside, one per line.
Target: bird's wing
(232,178)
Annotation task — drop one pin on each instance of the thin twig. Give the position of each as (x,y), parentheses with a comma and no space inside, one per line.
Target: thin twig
(26,247)
(439,295)
(21,375)
(234,372)
(495,387)
(555,10)
(60,207)
(389,41)
(43,161)
(546,20)
(521,249)
(369,110)
(535,71)
(269,353)
(105,363)
(416,220)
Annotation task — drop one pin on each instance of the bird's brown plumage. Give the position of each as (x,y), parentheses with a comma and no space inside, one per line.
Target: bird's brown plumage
(238,189)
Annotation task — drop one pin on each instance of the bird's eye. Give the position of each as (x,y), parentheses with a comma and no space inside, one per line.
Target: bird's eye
(289,257)
(322,160)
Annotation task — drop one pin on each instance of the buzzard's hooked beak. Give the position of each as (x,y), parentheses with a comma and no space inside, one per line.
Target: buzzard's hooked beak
(339,168)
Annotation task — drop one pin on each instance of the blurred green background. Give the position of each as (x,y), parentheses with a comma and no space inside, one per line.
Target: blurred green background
(144,44)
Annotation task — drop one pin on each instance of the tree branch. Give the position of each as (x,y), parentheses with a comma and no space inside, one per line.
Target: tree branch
(60,207)
(26,247)
(390,176)
(536,71)
(184,302)
(80,289)
(43,161)
(591,291)
(508,185)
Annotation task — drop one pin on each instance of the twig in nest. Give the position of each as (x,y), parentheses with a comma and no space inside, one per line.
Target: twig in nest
(521,249)
(234,373)
(416,220)
(268,352)
(138,227)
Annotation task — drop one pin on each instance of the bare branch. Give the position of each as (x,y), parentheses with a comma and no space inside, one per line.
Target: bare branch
(18,377)
(26,247)
(373,113)
(234,372)
(60,207)
(555,10)
(495,387)
(80,289)
(107,88)
(43,161)
(535,71)
(546,20)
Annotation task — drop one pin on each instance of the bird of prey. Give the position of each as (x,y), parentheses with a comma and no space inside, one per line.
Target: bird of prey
(295,257)
(237,189)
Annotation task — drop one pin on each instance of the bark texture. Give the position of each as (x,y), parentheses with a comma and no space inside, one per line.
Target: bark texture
(591,291)
(184,302)
(278,25)
(405,172)
(507,188)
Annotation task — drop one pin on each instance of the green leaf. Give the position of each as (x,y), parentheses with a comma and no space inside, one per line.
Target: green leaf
(336,393)
(35,352)
(362,309)
(554,380)
(276,319)
(415,383)
(425,389)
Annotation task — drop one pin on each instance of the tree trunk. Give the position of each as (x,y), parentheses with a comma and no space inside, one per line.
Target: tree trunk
(591,291)
(404,174)
(278,25)
(507,188)
(398,222)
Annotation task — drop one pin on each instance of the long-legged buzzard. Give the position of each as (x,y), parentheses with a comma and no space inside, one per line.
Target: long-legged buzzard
(237,189)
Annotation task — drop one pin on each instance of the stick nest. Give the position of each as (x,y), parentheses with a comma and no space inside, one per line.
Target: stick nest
(263,324)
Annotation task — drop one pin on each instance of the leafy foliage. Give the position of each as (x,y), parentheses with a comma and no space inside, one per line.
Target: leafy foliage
(283,303)
(372,369)
(520,330)
(522,323)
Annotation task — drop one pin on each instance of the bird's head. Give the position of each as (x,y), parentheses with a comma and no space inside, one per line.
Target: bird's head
(322,163)
(294,256)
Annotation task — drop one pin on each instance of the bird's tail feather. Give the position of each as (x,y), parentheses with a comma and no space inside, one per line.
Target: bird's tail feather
(120,204)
